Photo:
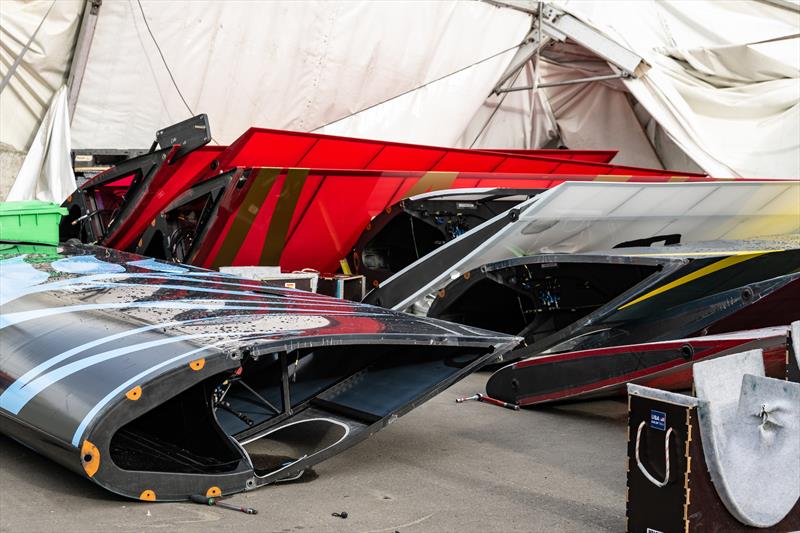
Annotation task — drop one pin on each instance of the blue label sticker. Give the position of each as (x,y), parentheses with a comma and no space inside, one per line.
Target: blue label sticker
(658,420)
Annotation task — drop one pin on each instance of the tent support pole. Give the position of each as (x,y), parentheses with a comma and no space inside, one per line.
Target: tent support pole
(566,82)
(81,55)
(552,24)
(530,47)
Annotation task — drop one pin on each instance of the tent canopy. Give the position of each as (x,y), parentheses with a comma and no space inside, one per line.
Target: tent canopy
(712,85)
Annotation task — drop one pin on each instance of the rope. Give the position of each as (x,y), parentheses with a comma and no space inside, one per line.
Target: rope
(163,59)
(644,471)
(496,108)
(476,63)
(166,66)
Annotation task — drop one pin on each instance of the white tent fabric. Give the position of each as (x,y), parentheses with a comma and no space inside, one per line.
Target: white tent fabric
(721,92)
(715,98)
(46,173)
(592,116)
(728,98)
(44,66)
(292,65)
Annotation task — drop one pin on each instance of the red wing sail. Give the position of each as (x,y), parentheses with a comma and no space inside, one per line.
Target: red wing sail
(591,156)
(311,218)
(277,148)
(308,197)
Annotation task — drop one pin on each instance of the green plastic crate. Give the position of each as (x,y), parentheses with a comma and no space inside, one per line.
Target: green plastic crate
(35,253)
(30,221)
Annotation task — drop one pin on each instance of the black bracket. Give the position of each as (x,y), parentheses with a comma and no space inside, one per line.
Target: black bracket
(189,135)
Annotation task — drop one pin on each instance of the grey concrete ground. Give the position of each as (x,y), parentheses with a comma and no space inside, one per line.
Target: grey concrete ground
(443,467)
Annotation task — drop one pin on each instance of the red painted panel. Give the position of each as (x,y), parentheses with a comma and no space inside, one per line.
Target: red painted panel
(345,154)
(333,222)
(479,162)
(253,244)
(264,147)
(170,181)
(592,156)
(401,158)
(543,166)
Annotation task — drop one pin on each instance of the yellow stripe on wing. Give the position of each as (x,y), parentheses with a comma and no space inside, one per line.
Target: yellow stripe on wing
(432,181)
(609,177)
(714,267)
(725,253)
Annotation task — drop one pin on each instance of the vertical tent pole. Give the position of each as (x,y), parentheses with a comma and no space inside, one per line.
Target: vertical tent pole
(81,54)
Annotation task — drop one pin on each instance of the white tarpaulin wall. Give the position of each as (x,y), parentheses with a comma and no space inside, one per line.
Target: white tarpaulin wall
(594,116)
(291,65)
(716,93)
(46,174)
(728,98)
(422,72)
(43,69)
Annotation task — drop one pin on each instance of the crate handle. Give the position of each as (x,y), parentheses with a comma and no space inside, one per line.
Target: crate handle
(644,471)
